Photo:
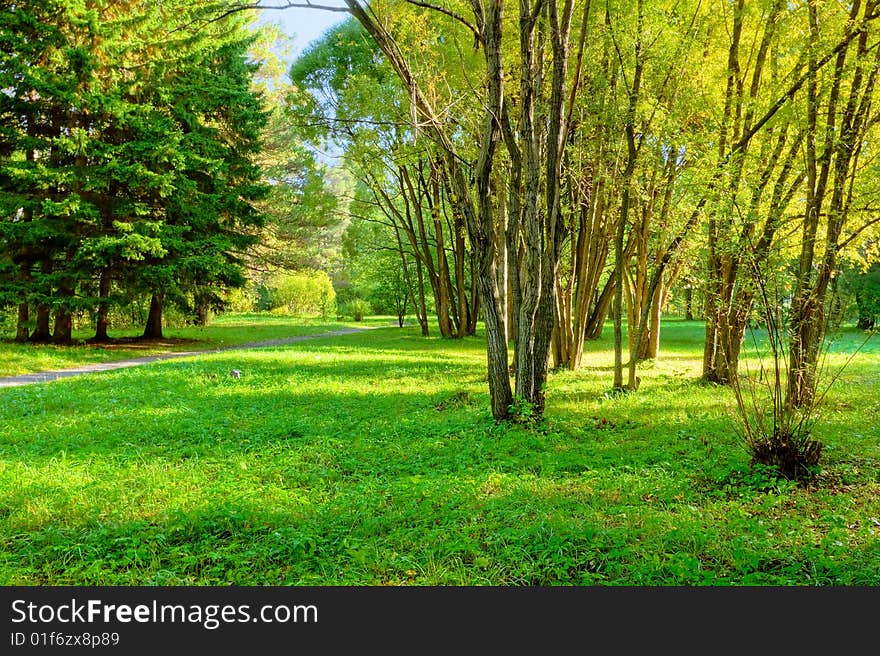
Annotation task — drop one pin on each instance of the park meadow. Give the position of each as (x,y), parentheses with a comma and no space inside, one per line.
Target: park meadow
(548,293)
(373,459)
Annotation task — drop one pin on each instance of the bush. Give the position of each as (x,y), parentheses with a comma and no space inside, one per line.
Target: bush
(356,309)
(302,294)
(245,299)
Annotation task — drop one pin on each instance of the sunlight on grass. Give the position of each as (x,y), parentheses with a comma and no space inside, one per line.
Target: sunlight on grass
(373,459)
(224,331)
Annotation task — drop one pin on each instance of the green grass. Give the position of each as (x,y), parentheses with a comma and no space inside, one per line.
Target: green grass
(372,459)
(227,330)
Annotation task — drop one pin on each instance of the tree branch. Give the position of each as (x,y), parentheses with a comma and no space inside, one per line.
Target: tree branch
(478,38)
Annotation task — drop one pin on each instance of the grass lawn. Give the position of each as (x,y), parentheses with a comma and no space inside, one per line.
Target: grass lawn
(372,459)
(227,330)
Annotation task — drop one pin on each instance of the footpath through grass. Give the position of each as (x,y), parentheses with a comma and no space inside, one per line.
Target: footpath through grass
(372,459)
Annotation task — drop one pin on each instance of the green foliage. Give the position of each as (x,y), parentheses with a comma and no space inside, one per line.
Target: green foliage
(302,294)
(862,290)
(522,411)
(356,308)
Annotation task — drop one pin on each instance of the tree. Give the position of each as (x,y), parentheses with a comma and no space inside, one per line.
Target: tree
(303,210)
(209,219)
(34,67)
(360,105)
(128,147)
(839,114)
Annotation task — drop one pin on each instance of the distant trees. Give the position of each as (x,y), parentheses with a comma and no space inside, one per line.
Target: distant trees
(358,104)
(128,161)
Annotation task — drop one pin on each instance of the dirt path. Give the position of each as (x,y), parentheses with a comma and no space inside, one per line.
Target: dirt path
(45,376)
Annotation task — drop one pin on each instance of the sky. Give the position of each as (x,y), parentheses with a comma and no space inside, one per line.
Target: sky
(303,25)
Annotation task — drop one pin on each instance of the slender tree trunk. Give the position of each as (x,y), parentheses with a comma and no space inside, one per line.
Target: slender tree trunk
(621,255)
(617,308)
(601,308)
(459,254)
(422,308)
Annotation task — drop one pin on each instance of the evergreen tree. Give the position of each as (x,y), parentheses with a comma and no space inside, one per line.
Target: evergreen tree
(128,147)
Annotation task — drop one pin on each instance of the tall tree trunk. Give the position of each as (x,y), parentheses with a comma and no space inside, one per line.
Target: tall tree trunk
(619,250)
(422,308)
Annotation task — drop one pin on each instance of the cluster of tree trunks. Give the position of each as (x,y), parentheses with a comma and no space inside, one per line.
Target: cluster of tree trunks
(541,246)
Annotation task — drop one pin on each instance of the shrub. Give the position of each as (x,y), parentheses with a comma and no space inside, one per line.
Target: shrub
(302,294)
(356,309)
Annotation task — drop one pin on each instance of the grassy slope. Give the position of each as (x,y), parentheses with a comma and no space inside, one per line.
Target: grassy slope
(372,459)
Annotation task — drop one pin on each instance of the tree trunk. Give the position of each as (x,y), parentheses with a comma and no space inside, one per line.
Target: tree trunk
(496,348)
(22,332)
(202,314)
(619,255)
(652,347)
(153,328)
(103,307)
(422,308)
(42,332)
(600,311)
(63,330)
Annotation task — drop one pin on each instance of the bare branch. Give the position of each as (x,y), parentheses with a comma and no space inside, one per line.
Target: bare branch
(296,5)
